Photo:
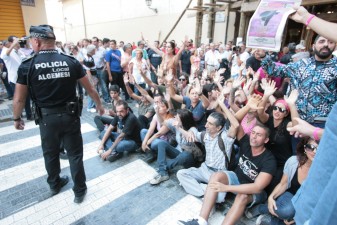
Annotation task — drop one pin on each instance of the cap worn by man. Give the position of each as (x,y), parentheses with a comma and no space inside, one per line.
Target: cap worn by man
(42,31)
(300,47)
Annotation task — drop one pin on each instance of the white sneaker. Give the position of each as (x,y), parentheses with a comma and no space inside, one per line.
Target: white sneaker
(92,110)
(158,179)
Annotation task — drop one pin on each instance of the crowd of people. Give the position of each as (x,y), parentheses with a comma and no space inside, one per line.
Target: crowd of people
(229,119)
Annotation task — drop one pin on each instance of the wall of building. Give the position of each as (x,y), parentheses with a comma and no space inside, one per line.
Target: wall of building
(126,19)
(34,15)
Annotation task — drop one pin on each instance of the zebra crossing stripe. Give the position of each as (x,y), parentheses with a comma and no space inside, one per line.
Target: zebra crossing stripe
(11,130)
(102,190)
(31,142)
(185,209)
(34,169)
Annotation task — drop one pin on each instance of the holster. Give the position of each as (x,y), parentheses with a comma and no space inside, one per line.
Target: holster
(75,108)
(36,112)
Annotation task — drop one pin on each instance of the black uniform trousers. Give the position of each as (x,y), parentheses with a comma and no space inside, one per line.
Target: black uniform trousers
(55,128)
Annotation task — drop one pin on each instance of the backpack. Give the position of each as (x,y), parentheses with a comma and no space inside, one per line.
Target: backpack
(230,163)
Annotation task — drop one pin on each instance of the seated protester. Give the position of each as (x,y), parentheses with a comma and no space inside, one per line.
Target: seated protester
(279,140)
(194,180)
(152,139)
(107,118)
(181,125)
(183,84)
(197,103)
(254,172)
(126,138)
(145,108)
(280,207)
(90,69)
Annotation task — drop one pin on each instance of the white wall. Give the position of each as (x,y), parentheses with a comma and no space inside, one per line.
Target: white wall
(125,20)
(33,16)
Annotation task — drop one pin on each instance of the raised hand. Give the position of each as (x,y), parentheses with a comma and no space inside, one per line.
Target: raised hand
(254,102)
(250,71)
(291,100)
(256,76)
(237,82)
(126,78)
(204,73)
(247,85)
(269,88)
(301,15)
(197,86)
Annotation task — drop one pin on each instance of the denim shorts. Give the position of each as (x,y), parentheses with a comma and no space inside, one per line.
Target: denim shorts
(257,198)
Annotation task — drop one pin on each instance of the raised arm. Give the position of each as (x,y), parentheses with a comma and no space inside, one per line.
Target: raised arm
(234,122)
(236,85)
(269,90)
(318,25)
(291,100)
(197,88)
(169,83)
(129,90)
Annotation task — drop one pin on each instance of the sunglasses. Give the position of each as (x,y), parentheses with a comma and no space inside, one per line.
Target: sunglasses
(310,147)
(279,109)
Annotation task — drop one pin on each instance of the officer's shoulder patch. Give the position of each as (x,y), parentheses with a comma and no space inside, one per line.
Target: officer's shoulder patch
(28,58)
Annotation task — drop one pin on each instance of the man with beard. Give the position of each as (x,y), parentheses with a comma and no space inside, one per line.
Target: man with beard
(315,79)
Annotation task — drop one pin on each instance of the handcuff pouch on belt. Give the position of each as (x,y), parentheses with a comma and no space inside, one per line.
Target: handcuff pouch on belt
(75,108)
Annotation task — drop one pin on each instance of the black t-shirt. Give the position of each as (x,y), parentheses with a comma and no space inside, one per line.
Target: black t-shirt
(53,77)
(89,64)
(253,62)
(129,125)
(154,58)
(249,167)
(279,141)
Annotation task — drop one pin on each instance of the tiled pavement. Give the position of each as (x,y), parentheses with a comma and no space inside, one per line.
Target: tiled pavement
(118,193)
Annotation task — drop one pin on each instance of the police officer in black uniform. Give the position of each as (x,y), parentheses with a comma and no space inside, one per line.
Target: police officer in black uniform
(50,78)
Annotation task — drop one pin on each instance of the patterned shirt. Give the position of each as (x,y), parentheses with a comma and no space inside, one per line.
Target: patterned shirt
(214,156)
(315,81)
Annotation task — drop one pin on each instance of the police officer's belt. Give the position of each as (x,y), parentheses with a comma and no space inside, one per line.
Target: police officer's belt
(55,110)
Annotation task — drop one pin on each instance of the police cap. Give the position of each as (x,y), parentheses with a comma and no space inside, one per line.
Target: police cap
(42,31)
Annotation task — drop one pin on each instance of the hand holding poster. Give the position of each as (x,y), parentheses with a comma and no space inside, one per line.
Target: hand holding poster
(267,24)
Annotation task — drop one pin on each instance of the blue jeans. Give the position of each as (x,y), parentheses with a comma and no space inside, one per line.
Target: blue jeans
(122,146)
(10,92)
(177,158)
(285,209)
(154,143)
(316,200)
(104,82)
(91,103)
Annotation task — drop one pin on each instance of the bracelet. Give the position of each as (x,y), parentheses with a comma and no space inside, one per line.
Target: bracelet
(17,119)
(309,19)
(315,134)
